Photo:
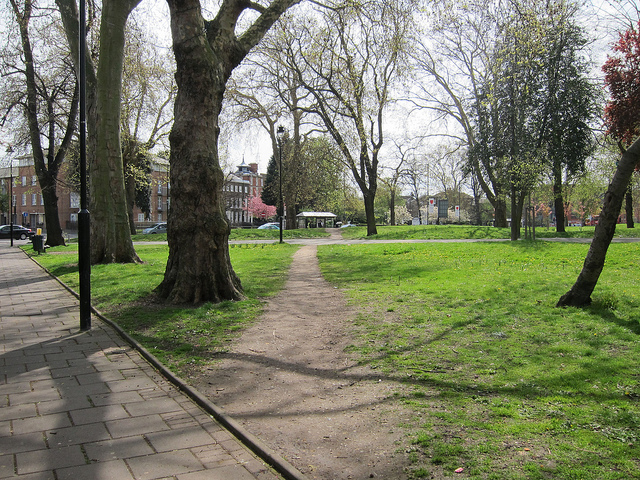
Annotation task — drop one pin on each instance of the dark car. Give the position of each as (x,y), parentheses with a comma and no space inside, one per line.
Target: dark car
(19,232)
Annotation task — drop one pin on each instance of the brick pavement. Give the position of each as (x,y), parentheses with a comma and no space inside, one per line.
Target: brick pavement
(86,405)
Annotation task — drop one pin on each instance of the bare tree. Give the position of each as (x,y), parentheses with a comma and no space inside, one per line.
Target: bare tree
(349,61)
(39,80)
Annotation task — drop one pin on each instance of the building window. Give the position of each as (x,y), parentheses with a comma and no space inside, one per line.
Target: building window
(74,218)
(34,199)
(13,201)
(24,199)
(41,200)
(24,181)
(141,217)
(159,217)
(34,180)
(74,200)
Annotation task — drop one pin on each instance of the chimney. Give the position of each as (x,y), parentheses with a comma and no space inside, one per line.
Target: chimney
(253,167)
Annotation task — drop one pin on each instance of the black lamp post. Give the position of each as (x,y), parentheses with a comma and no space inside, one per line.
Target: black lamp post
(11,207)
(280,135)
(84,218)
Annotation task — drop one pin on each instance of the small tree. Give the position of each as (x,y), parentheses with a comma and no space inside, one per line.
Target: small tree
(622,115)
(256,207)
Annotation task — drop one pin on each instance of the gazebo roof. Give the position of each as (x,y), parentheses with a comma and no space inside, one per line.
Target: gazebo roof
(316,215)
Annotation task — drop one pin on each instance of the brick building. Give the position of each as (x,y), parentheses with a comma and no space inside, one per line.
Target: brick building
(241,185)
(29,207)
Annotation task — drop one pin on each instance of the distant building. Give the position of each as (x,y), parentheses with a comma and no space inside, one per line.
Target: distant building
(246,182)
(28,206)
(239,186)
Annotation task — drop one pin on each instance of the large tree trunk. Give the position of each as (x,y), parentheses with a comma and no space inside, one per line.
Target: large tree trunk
(558,200)
(370,213)
(130,189)
(500,213)
(517,201)
(110,232)
(629,205)
(199,268)
(392,208)
(51,217)
(580,293)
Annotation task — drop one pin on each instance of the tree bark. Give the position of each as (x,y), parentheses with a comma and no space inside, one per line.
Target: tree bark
(558,200)
(500,213)
(580,293)
(370,213)
(110,238)
(629,205)
(110,232)
(199,267)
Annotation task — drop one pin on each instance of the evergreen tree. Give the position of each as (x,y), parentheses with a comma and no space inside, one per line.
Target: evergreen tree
(270,189)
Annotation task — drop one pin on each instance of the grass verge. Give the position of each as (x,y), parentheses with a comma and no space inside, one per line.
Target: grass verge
(180,336)
(239,234)
(502,383)
(449,232)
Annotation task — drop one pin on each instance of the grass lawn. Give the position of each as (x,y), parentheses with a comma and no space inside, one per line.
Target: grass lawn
(178,336)
(435,232)
(239,234)
(502,383)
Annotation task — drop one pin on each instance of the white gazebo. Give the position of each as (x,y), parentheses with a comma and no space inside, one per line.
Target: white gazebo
(316,220)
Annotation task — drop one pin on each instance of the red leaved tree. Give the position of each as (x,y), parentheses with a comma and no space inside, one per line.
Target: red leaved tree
(622,115)
(257,208)
(622,78)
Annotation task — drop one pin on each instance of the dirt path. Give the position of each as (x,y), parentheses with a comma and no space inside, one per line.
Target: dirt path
(289,382)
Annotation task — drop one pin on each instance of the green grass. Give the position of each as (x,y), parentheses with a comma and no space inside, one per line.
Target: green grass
(239,234)
(450,232)
(501,382)
(179,336)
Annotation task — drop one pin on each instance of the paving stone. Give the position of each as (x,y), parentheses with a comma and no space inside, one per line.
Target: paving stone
(15,412)
(159,405)
(7,468)
(92,432)
(116,398)
(180,438)
(41,423)
(166,465)
(51,459)
(136,426)
(114,470)
(121,448)
(235,472)
(98,414)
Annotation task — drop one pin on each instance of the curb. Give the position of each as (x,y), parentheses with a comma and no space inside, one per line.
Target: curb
(269,456)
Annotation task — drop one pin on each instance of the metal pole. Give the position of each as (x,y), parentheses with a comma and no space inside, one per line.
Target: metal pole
(84,230)
(11,200)
(280,135)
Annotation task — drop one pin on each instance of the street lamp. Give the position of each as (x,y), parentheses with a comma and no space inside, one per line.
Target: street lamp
(280,135)
(11,206)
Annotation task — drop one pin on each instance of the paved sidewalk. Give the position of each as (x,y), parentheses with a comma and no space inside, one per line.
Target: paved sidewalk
(86,405)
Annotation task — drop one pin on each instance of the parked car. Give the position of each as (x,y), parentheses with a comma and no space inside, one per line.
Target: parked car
(157,228)
(270,226)
(19,232)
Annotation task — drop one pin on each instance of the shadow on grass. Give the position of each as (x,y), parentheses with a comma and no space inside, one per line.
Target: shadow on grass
(632,325)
